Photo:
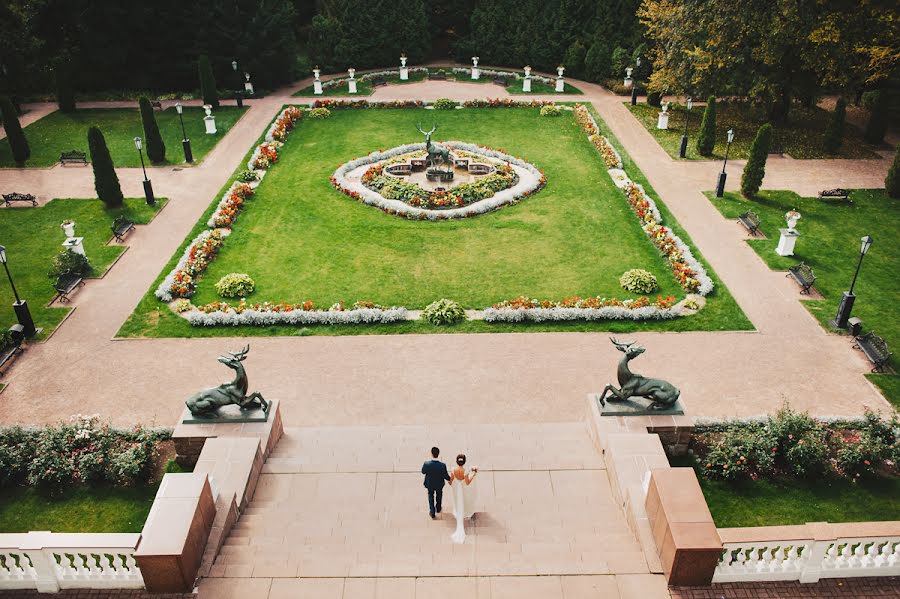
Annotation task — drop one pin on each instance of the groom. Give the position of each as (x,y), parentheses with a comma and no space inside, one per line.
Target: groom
(435,473)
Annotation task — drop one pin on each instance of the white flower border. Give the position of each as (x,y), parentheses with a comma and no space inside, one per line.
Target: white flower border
(513,74)
(366,76)
(252,317)
(163,292)
(373,198)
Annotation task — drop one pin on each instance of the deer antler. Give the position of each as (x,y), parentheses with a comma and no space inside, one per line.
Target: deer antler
(433,128)
(419,128)
(619,345)
(240,355)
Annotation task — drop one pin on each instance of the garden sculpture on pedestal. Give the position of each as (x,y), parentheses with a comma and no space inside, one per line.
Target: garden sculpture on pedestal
(434,151)
(208,401)
(662,393)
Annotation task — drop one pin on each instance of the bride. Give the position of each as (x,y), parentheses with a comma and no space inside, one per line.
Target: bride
(464,495)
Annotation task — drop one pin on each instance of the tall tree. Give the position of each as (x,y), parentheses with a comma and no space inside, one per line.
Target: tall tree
(706,138)
(207,82)
(156,147)
(65,94)
(14,133)
(755,169)
(106,182)
(834,133)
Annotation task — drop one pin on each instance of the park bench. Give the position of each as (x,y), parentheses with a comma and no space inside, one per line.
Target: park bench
(73,157)
(378,80)
(9,198)
(501,81)
(750,220)
(437,76)
(875,349)
(13,345)
(839,194)
(156,104)
(121,226)
(66,284)
(804,275)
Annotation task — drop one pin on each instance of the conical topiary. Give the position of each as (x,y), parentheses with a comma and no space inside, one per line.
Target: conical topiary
(706,139)
(755,169)
(106,182)
(834,133)
(65,93)
(877,124)
(156,148)
(892,181)
(208,82)
(14,134)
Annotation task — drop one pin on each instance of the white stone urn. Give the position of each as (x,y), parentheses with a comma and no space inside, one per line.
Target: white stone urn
(208,109)
(403,60)
(527,71)
(560,69)
(351,83)
(475,72)
(316,72)
(68,228)
(792,216)
(248,87)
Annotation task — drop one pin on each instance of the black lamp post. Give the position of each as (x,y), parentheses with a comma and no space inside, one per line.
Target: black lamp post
(847,299)
(148,187)
(637,66)
(720,186)
(185,142)
(684,138)
(238,94)
(23,314)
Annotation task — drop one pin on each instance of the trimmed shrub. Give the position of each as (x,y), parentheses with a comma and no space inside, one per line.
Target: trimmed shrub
(654,99)
(320,113)
(235,284)
(596,62)
(14,133)
(746,452)
(834,133)
(550,111)
(638,280)
(755,169)
(443,311)
(892,181)
(65,94)
(574,58)
(877,124)
(247,176)
(706,138)
(800,441)
(620,60)
(16,453)
(106,182)
(71,262)
(153,141)
(207,82)
(444,104)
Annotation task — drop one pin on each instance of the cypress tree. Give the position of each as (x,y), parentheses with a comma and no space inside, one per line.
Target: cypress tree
(892,181)
(14,134)
(106,182)
(65,94)
(207,82)
(878,118)
(156,148)
(834,133)
(755,169)
(706,139)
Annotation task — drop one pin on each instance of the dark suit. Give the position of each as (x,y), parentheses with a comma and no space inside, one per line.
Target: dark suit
(435,473)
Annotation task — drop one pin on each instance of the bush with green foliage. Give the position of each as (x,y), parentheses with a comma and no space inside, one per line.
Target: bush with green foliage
(235,284)
(15,454)
(207,82)
(68,261)
(247,176)
(444,104)
(638,280)
(153,141)
(654,99)
(106,182)
(706,138)
(879,116)
(574,59)
(596,62)
(621,59)
(443,312)
(755,169)
(320,113)
(892,180)
(740,453)
(18,144)
(65,93)
(182,304)
(550,111)
(834,133)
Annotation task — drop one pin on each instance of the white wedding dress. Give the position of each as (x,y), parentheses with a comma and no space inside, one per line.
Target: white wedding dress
(464,498)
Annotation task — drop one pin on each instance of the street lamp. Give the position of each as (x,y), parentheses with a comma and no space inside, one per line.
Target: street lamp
(847,299)
(185,142)
(148,187)
(720,187)
(684,138)
(20,306)
(238,94)
(637,66)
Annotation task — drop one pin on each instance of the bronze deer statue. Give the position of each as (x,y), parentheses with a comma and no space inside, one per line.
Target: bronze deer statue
(209,401)
(663,393)
(434,151)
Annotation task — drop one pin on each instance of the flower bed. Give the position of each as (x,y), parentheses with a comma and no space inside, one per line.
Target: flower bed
(363,104)
(497,73)
(340,81)
(230,205)
(284,124)
(266,314)
(525,309)
(182,281)
(507,103)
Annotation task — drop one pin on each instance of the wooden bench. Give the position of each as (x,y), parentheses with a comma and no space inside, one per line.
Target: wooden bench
(156,104)
(120,227)
(14,346)
(875,349)
(750,220)
(73,157)
(501,81)
(66,284)
(379,80)
(804,275)
(839,194)
(9,198)
(437,76)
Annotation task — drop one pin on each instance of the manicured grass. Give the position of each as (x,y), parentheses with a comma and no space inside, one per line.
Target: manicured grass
(32,238)
(82,509)
(363,88)
(773,502)
(59,132)
(829,243)
(801,138)
(325,247)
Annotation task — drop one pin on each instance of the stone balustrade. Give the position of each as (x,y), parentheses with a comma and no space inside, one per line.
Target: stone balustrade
(49,562)
(809,552)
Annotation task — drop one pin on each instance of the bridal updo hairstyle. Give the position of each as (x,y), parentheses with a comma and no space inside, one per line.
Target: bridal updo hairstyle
(461,459)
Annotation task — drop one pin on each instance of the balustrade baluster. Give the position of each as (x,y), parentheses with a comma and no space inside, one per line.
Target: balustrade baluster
(868,560)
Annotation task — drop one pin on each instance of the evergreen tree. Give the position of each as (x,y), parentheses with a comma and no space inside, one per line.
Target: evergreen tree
(207,82)
(706,138)
(834,133)
(156,148)
(65,95)
(755,169)
(106,182)
(878,118)
(14,134)
(892,181)
(596,62)
(654,99)
(574,60)
(621,60)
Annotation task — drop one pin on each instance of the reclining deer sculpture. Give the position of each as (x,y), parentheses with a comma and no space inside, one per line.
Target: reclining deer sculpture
(209,401)
(663,393)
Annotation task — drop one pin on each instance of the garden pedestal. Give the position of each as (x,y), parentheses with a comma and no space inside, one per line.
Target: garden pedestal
(210,122)
(248,87)
(476,73)
(75,244)
(786,242)
(404,73)
(560,85)
(317,87)
(628,82)
(662,121)
(352,86)
(526,85)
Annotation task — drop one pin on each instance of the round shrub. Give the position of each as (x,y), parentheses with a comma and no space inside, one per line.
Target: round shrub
(320,113)
(741,452)
(182,305)
(550,111)
(443,311)
(68,261)
(638,280)
(235,284)
(444,104)
(247,176)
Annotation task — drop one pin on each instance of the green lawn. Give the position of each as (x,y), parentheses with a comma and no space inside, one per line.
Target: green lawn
(829,243)
(573,238)
(82,509)
(58,132)
(802,138)
(32,238)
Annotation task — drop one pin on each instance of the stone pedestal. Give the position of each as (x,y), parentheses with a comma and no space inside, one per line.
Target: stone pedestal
(560,85)
(404,73)
(476,73)
(628,82)
(75,244)
(248,87)
(317,87)
(351,84)
(662,121)
(210,122)
(786,242)
(526,85)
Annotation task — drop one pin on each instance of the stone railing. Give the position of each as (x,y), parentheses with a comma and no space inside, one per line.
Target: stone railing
(809,552)
(48,562)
